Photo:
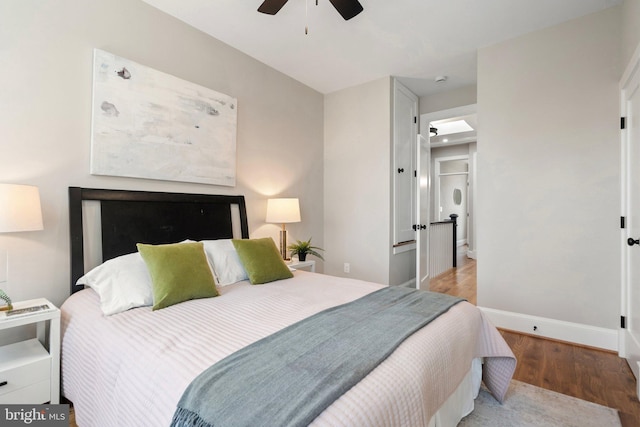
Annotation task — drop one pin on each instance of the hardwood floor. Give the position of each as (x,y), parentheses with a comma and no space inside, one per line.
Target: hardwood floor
(72,418)
(586,373)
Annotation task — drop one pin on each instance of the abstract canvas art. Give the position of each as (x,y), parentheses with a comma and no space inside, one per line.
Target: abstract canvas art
(149,124)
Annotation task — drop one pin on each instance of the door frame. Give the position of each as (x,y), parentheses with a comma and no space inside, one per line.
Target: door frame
(627,345)
(437,199)
(436,175)
(472,226)
(423,211)
(400,227)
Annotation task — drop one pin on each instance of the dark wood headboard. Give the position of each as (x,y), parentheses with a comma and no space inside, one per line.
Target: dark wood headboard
(130,217)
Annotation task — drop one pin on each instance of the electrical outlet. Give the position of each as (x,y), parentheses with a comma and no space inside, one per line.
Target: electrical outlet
(347,267)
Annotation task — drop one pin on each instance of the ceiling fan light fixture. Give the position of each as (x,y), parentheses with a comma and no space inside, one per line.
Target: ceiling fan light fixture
(271,7)
(347,8)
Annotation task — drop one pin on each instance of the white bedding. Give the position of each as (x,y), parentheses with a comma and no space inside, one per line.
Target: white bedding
(132,368)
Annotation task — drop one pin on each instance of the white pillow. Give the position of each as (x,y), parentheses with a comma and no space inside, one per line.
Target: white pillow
(122,283)
(225,261)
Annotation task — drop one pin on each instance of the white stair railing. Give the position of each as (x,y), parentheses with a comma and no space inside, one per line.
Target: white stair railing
(442,246)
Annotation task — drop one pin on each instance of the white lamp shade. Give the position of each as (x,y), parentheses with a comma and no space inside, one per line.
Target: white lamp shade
(283,210)
(19,208)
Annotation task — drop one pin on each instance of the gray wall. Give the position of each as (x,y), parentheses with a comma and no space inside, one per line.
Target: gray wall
(466,95)
(357,204)
(357,183)
(630,29)
(45,121)
(548,172)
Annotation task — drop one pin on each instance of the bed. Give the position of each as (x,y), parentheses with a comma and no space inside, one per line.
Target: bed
(132,367)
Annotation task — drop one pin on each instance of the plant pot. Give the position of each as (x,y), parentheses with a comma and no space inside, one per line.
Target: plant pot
(302,257)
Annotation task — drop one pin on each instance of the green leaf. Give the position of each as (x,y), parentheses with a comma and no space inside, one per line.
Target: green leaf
(305,247)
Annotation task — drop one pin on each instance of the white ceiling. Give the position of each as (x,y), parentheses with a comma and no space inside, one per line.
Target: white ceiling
(415,40)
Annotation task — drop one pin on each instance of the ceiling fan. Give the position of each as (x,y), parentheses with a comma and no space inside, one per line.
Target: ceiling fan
(347,8)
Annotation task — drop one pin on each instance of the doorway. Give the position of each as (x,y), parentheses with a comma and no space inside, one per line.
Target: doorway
(452,193)
(455,138)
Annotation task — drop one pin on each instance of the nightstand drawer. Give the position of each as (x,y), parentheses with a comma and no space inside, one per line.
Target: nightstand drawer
(37,393)
(26,369)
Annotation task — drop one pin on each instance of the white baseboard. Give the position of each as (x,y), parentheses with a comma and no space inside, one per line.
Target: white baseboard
(472,254)
(577,333)
(630,349)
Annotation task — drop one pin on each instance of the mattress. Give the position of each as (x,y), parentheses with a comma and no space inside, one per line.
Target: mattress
(131,368)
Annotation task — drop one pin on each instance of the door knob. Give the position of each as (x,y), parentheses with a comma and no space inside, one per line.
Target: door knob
(631,241)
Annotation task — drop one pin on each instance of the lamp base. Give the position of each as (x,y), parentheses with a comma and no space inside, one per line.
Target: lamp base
(283,244)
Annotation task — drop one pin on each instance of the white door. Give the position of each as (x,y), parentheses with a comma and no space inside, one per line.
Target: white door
(405,129)
(423,197)
(630,106)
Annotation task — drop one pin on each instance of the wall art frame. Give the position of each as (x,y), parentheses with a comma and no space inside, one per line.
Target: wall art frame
(149,124)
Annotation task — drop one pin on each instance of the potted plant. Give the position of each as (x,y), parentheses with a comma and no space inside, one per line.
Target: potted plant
(302,248)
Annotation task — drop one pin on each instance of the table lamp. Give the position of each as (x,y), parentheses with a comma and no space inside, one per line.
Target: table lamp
(283,211)
(19,211)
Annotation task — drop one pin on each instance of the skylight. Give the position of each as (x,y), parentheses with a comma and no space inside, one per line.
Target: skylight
(456,126)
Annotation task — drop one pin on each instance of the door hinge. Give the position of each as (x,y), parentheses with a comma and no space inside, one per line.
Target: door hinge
(623,123)
(623,222)
(415,119)
(415,173)
(623,322)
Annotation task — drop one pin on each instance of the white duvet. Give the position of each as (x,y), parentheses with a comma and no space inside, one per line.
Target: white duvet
(132,368)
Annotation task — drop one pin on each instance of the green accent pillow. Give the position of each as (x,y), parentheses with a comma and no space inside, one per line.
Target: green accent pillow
(179,272)
(261,259)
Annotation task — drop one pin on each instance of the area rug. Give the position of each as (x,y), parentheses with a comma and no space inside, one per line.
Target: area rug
(529,406)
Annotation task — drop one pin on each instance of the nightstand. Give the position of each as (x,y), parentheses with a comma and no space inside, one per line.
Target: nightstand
(30,369)
(300,265)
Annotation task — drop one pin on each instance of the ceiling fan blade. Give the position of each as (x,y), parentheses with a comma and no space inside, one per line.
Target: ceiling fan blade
(271,7)
(347,8)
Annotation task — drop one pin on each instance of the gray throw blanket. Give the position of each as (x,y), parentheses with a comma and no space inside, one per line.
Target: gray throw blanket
(291,376)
